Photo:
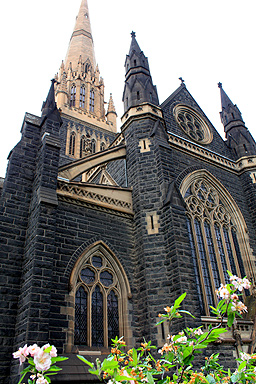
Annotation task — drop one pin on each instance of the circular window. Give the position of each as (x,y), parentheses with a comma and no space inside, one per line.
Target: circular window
(192,124)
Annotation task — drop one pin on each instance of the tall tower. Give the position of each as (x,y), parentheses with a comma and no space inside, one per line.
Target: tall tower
(238,136)
(80,89)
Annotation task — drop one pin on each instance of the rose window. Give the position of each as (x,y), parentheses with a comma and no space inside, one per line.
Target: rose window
(192,124)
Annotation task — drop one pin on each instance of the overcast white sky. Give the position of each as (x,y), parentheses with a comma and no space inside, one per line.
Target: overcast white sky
(201,40)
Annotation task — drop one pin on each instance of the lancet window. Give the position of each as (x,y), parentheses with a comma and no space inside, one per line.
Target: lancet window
(82,97)
(102,146)
(93,146)
(91,105)
(213,238)
(73,96)
(85,145)
(97,303)
(72,144)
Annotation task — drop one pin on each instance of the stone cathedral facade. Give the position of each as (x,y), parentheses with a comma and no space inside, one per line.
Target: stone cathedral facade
(100,230)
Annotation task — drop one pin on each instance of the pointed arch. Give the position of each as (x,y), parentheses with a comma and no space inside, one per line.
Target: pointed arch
(217,234)
(72,95)
(72,143)
(98,281)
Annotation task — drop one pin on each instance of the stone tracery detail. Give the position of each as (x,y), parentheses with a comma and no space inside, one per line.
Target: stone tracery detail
(192,124)
(98,284)
(213,239)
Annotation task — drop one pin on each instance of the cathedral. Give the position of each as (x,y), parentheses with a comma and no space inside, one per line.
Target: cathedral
(101,229)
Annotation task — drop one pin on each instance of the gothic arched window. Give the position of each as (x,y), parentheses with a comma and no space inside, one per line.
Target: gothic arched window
(82,97)
(85,147)
(102,146)
(93,145)
(73,96)
(100,294)
(72,144)
(213,222)
(91,105)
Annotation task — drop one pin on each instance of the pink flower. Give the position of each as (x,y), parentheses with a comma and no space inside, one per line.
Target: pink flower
(223,292)
(53,351)
(33,349)
(21,354)
(42,360)
(246,283)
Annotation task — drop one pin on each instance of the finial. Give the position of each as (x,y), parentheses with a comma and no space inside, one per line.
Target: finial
(133,34)
(182,81)
(220,85)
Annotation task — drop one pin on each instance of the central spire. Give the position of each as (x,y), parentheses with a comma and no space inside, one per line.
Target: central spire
(81,42)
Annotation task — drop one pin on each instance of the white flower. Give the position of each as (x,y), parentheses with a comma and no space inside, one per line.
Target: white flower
(41,380)
(42,360)
(198,332)
(182,339)
(245,356)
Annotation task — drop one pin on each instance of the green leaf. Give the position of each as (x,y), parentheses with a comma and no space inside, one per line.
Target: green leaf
(30,381)
(59,358)
(210,379)
(123,378)
(231,318)
(109,364)
(179,300)
(22,377)
(161,321)
(85,361)
(94,371)
(188,359)
(54,368)
(48,349)
(134,357)
(186,312)
(31,361)
(242,366)
(235,377)
(150,378)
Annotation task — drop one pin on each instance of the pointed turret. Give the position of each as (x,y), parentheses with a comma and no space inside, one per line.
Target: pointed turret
(49,105)
(138,82)
(81,42)
(237,135)
(111,113)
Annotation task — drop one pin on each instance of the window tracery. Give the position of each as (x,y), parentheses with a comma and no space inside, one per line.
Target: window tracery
(82,97)
(91,104)
(73,96)
(85,145)
(192,124)
(212,232)
(97,303)
(72,144)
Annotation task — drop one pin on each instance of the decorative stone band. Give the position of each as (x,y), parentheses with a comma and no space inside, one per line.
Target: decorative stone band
(241,165)
(139,111)
(114,198)
(81,32)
